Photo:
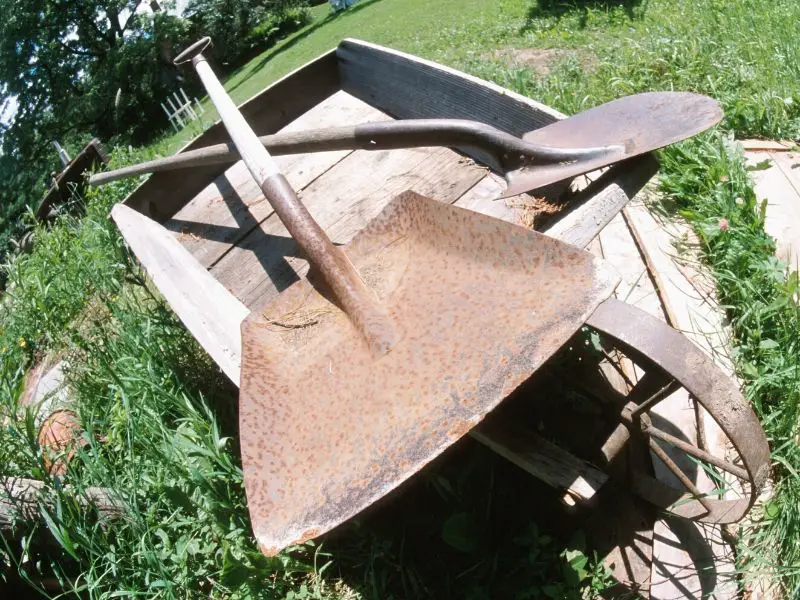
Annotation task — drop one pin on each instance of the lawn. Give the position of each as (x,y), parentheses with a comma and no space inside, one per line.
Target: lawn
(160,419)
(741,53)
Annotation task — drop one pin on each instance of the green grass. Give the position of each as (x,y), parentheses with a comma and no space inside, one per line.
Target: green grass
(741,53)
(160,418)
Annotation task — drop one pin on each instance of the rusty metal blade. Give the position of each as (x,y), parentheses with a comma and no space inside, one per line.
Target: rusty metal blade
(327,428)
(641,122)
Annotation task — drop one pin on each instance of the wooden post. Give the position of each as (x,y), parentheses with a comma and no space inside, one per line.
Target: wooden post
(169,116)
(19,500)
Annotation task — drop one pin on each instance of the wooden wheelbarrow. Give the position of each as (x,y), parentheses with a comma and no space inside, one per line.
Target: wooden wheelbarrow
(313,462)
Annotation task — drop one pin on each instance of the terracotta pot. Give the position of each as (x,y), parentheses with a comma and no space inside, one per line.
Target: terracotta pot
(60,435)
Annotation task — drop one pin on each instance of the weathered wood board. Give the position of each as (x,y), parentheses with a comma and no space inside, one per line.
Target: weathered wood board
(776,177)
(408,87)
(180,278)
(233,205)
(342,201)
(755,145)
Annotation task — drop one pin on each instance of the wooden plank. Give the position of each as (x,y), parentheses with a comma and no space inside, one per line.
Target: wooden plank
(405,87)
(598,203)
(789,163)
(343,200)
(228,209)
(544,460)
(220,215)
(652,271)
(619,249)
(208,311)
(592,205)
(767,145)
(789,238)
(692,314)
(483,198)
(783,205)
(282,102)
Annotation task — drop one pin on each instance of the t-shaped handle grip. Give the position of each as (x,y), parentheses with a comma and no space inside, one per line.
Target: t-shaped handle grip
(194,52)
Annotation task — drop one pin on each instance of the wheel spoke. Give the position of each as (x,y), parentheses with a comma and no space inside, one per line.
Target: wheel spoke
(682,477)
(665,390)
(696,452)
(701,424)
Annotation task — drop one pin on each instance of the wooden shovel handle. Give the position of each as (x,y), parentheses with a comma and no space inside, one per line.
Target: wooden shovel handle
(386,135)
(352,295)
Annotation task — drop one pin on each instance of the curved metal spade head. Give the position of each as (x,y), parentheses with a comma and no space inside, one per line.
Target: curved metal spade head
(327,428)
(640,123)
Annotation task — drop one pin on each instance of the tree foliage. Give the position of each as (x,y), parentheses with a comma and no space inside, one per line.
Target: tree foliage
(76,68)
(84,65)
(83,68)
(242,27)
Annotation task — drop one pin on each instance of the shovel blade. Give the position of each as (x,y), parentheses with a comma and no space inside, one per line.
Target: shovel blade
(639,123)
(327,428)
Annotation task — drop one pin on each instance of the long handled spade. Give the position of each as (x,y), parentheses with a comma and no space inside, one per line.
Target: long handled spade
(396,345)
(385,135)
(598,137)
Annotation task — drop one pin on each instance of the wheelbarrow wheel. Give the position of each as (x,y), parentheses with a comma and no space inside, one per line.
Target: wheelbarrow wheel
(665,361)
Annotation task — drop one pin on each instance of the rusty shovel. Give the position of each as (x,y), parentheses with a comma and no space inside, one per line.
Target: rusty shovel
(393,348)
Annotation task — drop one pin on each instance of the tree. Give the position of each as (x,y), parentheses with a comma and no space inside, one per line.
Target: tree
(76,68)
(83,68)
(66,60)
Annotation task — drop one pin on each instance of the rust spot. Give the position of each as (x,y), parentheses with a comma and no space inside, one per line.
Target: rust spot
(459,430)
(268,551)
(309,534)
(60,435)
